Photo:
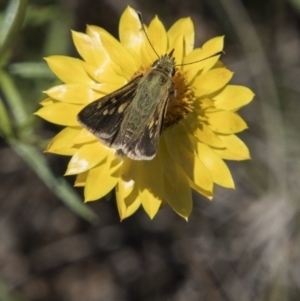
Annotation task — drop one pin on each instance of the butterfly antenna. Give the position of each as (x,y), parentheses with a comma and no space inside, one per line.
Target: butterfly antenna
(208,57)
(144,30)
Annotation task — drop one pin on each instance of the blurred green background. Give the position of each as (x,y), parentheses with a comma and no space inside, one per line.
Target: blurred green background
(245,245)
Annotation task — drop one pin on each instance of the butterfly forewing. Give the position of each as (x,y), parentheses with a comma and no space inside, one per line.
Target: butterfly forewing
(104,116)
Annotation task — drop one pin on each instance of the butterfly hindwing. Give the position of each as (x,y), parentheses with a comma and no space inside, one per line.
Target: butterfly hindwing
(144,147)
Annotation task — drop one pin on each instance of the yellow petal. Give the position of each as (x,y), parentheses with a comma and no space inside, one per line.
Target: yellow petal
(233,98)
(169,166)
(102,179)
(60,113)
(61,144)
(235,148)
(204,134)
(83,136)
(158,37)
(88,156)
(211,81)
(147,57)
(151,185)
(127,190)
(225,122)
(107,88)
(180,147)
(213,46)
(91,50)
(47,102)
(194,62)
(215,165)
(207,194)
(204,103)
(66,67)
(102,75)
(74,93)
(177,44)
(195,170)
(130,33)
(209,48)
(128,205)
(179,197)
(129,175)
(81,179)
(116,51)
(171,141)
(184,27)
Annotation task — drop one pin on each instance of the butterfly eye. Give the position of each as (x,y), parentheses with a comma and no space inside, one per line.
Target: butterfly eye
(173,71)
(155,63)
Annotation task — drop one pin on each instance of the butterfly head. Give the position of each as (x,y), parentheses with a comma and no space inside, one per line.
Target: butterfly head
(166,63)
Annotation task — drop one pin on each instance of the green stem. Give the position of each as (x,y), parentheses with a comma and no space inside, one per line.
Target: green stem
(5,124)
(13,19)
(13,99)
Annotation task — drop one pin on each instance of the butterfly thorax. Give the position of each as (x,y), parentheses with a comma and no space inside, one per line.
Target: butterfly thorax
(165,64)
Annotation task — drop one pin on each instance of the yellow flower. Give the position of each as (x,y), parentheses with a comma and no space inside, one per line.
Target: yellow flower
(199,128)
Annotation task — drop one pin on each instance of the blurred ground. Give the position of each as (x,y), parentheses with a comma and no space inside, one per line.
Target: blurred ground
(243,246)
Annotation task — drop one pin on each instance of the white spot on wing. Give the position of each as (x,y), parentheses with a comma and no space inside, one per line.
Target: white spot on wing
(121,108)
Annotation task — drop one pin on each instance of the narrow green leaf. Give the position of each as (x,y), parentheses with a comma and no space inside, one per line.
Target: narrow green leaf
(14,99)
(33,70)
(12,22)
(5,123)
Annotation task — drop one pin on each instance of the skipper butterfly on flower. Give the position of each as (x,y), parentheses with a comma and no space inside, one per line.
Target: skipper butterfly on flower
(130,120)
